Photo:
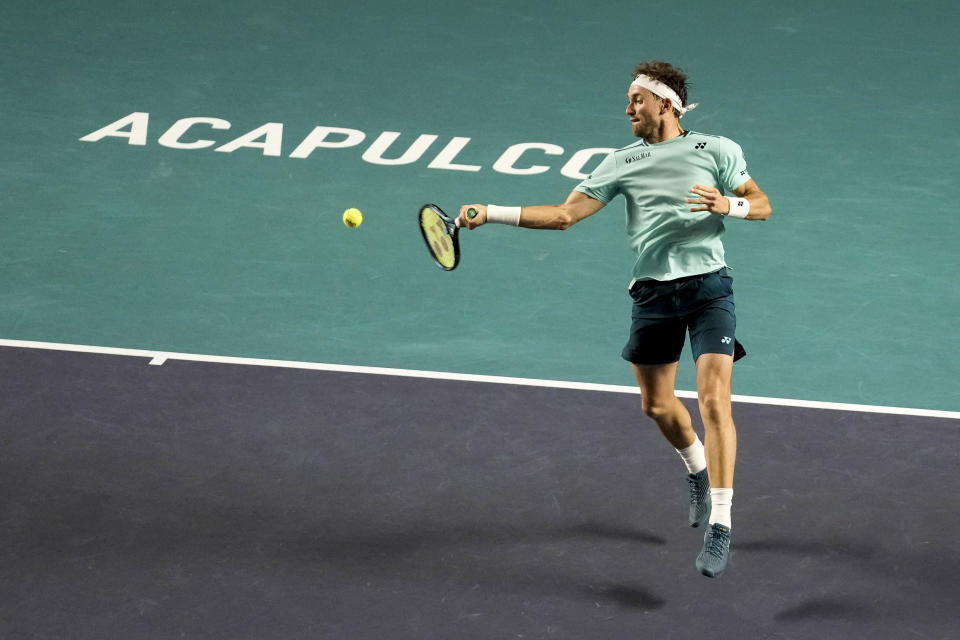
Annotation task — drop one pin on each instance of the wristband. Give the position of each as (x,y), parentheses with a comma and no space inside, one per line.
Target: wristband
(739,207)
(503,215)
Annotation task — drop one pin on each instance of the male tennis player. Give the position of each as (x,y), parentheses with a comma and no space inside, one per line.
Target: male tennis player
(674,182)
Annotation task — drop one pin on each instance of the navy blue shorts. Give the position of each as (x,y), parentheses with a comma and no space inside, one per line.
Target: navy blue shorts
(663,312)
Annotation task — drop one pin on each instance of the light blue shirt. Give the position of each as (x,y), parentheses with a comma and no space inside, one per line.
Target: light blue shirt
(669,240)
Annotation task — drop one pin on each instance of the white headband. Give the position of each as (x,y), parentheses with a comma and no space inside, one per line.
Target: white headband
(657,88)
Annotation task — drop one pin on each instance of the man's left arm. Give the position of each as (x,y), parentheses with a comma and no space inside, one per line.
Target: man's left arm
(712,199)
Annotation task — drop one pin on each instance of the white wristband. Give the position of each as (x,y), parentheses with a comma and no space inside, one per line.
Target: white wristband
(739,207)
(503,215)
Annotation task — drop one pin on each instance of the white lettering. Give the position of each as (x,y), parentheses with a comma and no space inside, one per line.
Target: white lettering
(269,138)
(172,136)
(374,154)
(272,132)
(574,167)
(137,134)
(318,138)
(506,162)
(445,158)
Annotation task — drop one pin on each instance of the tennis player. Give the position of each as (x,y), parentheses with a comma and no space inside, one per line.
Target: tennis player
(675,183)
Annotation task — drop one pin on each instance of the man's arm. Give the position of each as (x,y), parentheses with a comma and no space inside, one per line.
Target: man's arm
(713,200)
(554,216)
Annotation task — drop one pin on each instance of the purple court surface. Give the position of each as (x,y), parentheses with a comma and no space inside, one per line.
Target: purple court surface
(205,500)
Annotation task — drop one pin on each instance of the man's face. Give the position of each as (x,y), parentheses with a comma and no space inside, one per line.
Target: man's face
(643,109)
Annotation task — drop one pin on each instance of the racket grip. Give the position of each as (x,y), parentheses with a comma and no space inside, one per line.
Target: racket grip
(471,213)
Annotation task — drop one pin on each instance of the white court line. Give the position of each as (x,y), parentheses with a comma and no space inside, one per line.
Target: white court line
(159,357)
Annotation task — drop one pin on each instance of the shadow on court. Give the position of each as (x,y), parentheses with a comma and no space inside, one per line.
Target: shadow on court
(210,500)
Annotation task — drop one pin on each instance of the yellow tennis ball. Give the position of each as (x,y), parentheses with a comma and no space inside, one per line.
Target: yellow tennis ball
(352,218)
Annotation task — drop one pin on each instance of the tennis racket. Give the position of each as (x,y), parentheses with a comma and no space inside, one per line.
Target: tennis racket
(440,234)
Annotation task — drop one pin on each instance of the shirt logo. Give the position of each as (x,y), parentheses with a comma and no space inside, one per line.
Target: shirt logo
(700,145)
(639,156)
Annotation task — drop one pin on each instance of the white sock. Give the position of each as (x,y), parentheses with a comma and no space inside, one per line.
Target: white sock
(693,456)
(721,501)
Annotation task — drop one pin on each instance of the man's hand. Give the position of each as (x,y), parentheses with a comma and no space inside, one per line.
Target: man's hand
(711,198)
(477,220)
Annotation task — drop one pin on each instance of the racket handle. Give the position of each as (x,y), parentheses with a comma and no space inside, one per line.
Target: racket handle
(471,213)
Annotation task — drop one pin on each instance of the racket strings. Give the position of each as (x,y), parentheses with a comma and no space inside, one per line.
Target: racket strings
(437,239)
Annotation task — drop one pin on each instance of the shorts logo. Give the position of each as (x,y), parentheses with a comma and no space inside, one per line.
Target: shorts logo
(639,156)
(725,340)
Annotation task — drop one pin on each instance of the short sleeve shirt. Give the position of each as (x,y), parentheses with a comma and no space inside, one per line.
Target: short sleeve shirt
(669,240)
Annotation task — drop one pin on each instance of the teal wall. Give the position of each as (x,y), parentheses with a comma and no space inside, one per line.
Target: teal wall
(845,111)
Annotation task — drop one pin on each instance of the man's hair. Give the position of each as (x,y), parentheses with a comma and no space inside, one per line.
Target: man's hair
(673,77)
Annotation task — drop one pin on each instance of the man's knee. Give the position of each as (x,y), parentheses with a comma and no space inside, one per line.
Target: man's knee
(659,409)
(713,388)
(715,409)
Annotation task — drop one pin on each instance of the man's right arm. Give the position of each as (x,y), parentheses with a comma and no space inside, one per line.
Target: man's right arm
(553,216)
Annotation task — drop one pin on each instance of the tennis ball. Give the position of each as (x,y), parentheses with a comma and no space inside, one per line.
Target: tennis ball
(352,218)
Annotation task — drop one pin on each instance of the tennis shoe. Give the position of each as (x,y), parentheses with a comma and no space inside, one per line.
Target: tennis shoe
(699,485)
(716,550)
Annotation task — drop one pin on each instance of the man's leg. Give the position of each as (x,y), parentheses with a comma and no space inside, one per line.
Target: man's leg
(720,435)
(659,401)
(720,441)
